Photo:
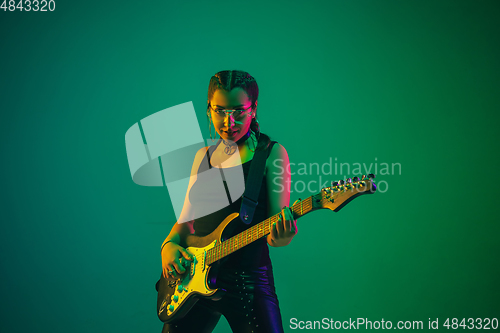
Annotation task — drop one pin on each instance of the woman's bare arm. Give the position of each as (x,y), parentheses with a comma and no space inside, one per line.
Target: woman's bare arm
(171,248)
(278,188)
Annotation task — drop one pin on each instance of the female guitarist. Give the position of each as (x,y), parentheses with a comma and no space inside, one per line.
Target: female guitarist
(250,303)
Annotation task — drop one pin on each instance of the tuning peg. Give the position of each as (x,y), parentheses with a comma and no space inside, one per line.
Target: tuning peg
(341,182)
(355,179)
(334,184)
(349,180)
(371,175)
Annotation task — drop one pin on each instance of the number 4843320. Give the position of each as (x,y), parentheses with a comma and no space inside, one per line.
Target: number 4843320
(28,5)
(471,323)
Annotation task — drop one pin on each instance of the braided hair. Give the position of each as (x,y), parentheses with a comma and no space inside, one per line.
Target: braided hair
(228,80)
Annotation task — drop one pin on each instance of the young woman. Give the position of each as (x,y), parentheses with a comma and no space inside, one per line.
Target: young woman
(250,303)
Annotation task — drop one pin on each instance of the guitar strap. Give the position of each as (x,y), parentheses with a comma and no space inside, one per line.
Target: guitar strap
(252,187)
(254,180)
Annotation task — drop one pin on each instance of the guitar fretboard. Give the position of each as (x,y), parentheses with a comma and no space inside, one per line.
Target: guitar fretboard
(254,233)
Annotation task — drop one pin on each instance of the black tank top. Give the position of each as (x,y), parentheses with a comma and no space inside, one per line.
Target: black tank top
(253,255)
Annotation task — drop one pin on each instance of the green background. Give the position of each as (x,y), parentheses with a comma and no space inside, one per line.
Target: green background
(409,82)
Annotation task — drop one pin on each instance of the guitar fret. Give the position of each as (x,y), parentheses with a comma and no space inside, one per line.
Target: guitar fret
(264,228)
(253,233)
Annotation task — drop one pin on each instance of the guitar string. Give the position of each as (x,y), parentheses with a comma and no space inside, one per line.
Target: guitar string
(221,250)
(228,246)
(251,234)
(256,232)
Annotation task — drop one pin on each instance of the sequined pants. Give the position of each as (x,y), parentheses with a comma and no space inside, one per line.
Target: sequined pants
(250,305)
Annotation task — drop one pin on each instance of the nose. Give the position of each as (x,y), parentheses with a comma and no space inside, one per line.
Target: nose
(229,120)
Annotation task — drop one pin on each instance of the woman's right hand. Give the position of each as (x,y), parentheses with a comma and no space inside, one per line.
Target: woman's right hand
(171,255)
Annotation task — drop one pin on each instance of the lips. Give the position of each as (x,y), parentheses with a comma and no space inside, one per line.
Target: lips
(231,133)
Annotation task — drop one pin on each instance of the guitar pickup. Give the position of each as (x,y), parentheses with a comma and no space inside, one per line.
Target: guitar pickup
(193,266)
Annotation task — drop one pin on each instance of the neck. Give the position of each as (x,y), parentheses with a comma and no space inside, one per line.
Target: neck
(244,137)
(241,143)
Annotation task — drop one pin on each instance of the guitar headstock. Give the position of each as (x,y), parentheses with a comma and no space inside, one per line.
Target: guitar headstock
(337,195)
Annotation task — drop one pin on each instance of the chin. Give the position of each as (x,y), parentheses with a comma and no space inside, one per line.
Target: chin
(233,138)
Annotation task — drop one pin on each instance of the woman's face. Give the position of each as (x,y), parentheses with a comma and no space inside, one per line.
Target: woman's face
(231,127)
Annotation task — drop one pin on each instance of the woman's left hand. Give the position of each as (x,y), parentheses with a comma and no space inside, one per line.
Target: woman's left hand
(284,230)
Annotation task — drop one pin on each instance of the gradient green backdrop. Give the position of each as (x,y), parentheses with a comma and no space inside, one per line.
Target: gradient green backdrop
(409,82)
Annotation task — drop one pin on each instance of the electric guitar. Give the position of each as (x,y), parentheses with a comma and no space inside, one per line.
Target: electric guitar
(176,296)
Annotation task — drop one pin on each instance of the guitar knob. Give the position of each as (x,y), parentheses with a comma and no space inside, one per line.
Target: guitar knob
(180,288)
(355,179)
(341,182)
(175,298)
(171,308)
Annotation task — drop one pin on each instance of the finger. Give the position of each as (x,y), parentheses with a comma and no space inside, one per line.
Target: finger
(274,232)
(186,263)
(178,267)
(170,271)
(288,220)
(292,221)
(281,228)
(294,227)
(290,213)
(186,254)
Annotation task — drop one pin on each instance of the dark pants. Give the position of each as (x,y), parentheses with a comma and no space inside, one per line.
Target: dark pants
(249,305)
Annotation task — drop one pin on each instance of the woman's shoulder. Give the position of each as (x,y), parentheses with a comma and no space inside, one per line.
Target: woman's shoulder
(277,150)
(198,158)
(277,159)
(201,153)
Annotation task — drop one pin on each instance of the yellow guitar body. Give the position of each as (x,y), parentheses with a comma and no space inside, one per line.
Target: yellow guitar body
(177,296)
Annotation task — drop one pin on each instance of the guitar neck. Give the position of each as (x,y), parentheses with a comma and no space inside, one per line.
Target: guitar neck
(333,197)
(255,232)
